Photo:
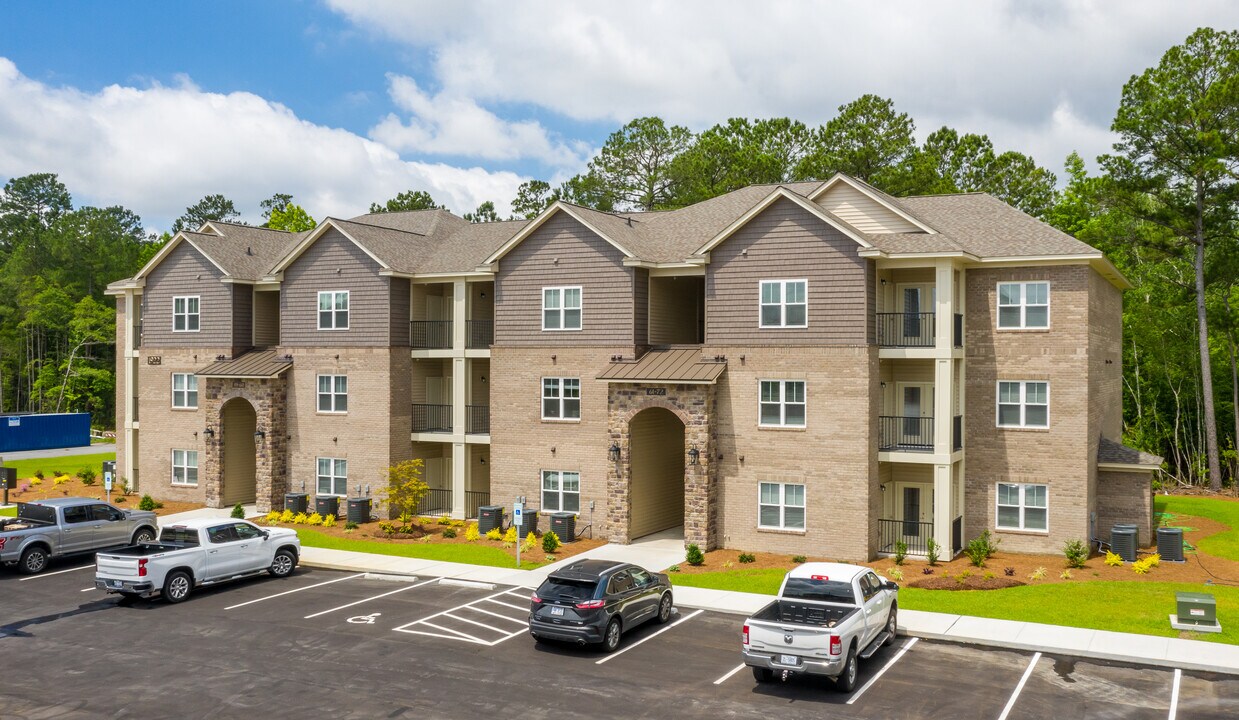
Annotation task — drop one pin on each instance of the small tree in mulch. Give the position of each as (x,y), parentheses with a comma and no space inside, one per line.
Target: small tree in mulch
(405,487)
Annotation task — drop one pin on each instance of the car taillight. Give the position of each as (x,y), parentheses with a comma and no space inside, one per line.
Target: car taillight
(142,567)
(535,598)
(591,604)
(744,635)
(836,645)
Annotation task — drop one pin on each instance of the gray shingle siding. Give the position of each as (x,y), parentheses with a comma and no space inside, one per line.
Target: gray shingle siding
(186,272)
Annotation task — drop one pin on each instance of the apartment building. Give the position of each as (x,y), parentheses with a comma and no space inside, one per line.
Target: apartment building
(813,368)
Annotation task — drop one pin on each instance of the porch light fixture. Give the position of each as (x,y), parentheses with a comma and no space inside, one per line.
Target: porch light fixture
(209,432)
(693,455)
(259,434)
(614,452)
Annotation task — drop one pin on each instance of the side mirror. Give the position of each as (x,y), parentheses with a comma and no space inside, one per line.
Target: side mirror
(890,585)
(266,535)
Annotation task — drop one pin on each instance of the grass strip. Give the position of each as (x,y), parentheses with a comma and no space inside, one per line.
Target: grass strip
(444,552)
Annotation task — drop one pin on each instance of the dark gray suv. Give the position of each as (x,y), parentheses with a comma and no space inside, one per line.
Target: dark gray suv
(596,601)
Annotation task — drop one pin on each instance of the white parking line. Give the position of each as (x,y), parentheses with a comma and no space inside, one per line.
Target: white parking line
(649,637)
(58,572)
(456,614)
(514,607)
(907,646)
(495,614)
(376,597)
(724,679)
(1174,694)
(87,589)
(1018,688)
(290,592)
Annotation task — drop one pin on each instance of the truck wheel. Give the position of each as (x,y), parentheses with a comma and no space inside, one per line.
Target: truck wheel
(763,675)
(282,564)
(891,626)
(33,561)
(846,682)
(177,586)
(611,638)
(144,535)
(664,609)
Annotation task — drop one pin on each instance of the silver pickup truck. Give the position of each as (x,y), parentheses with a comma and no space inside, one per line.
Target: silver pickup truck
(826,618)
(68,526)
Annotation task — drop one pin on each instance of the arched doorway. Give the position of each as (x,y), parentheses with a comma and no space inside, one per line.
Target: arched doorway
(238,422)
(656,493)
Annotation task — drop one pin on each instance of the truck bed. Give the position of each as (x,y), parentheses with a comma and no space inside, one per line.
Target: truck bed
(20,523)
(147,549)
(797,612)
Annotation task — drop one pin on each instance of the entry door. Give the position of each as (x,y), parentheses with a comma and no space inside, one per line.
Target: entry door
(916,407)
(915,299)
(911,510)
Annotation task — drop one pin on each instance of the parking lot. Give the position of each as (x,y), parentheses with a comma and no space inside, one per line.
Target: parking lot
(346,645)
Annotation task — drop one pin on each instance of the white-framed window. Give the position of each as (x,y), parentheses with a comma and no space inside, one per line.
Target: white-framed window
(185,391)
(782,403)
(333,393)
(561,308)
(561,491)
(332,476)
(784,303)
(561,398)
(1023,404)
(184,467)
(333,310)
(780,506)
(186,313)
(1023,305)
(1023,507)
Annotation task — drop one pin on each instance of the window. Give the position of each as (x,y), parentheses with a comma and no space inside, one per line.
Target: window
(781,506)
(77,514)
(221,534)
(185,391)
(561,308)
(333,393)
(561,398)
(106,513)
(1023,404)
(1024,305)
(184,467)
(333,310)
(185,315)
(784,303)
(1022,507)
(782,403)
(245,531)
(332,476)
(561,491)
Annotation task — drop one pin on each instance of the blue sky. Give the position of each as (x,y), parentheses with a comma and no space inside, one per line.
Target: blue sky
(344,102)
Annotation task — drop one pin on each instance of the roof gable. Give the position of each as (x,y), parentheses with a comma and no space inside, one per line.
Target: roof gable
(578,214)
(782,192)
(167,250)
(866,208)
(315,234)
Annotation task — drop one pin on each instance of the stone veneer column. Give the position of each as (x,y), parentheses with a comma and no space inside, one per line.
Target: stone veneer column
(269,398)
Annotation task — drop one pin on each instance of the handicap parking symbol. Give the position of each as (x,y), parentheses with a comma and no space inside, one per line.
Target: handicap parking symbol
(364,619)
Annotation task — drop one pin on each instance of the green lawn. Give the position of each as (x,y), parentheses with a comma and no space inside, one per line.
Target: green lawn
(765,581)
(473,554)
(11,512)
(69,464)
(1223,544)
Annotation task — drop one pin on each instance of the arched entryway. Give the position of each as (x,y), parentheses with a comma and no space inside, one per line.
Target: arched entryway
(238,422)
(656,446)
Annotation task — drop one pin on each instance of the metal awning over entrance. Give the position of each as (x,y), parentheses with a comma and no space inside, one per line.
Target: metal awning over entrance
(675,365)
(253,364)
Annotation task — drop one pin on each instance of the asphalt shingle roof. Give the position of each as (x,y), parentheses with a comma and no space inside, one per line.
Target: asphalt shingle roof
(1109,451)
(243,251)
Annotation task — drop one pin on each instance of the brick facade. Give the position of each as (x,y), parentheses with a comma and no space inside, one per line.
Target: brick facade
(268,397)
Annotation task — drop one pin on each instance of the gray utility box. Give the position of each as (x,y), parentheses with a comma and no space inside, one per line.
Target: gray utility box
(529,522)
(563,524)
(490,517)
(1196,612)
(1123,542)
(297,502)
(1170,544)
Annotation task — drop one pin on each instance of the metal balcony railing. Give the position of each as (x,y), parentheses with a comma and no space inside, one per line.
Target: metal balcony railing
(906,329)
(432,418)
(959,330)
(479,334)
(137,335)
(477,419)
(430,334)
(914,534)
(473,500)
(957,432)
(437,501)
(906,434)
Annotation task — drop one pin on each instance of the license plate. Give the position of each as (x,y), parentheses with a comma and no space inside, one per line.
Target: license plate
(557,611)
(788,660)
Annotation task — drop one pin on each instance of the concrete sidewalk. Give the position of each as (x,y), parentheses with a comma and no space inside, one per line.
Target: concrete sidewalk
(60,452)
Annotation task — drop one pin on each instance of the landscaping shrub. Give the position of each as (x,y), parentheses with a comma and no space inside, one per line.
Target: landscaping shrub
(445,520)
(36,481)
(901,551)
(449,532)
(927,571)
(273,517)
(550,542)
(747,558)
(388,527)
(673,568)
(511,536)
(549,558)
(727,564)
(87,475)
(800,559)
(314,519)
(1076,553)
(976,552)
(38,474)
(1141,567)
(471,533)
(494,534)
(896,574)
(300,518)
(60,480)
(932,551)
(238,512)
(1113,559)
(329,521)
(1154,560)
(405,487)
(148,503)
(694,556)
(286,516)
(24,487)
(1008,571)
(350,525)
(1038,574)
(530,542)
(1066,574)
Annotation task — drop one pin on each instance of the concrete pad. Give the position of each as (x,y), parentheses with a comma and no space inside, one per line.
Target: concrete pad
(1198,655)
(1054,638)
(986,631)
(1126,646)
(918,623)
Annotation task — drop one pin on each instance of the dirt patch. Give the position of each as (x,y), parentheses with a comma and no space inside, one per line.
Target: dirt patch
(966,582)
(47,489)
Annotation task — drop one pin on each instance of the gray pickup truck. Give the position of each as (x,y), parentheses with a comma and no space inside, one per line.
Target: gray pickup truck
(58,527)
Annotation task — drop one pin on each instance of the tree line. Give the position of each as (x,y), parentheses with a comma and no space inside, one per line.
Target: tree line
(1163,207)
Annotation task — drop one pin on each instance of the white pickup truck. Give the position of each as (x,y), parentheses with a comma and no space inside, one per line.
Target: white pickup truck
(827,616)
(194,553)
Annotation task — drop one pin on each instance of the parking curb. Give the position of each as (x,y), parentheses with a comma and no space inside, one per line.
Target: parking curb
(477,584)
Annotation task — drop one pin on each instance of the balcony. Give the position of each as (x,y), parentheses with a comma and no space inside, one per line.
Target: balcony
(437,501)
(432,418)
(906,330)
(905,434)
(957,432)
(479,334)
(473,500)
(959,330)
(430,334)
(137,335)
(477,419)
(915,536)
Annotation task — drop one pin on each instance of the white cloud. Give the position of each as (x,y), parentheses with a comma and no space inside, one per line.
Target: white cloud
(1006,68)
(159,149)
(447,124)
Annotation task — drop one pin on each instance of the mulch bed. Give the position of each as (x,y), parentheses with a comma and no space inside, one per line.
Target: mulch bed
(970,582)
(74,487)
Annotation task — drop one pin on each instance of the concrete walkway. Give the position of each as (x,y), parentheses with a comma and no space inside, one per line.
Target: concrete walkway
(661,551)
(59,452)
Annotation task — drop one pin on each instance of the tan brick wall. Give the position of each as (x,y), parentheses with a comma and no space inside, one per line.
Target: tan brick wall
(1125,497)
